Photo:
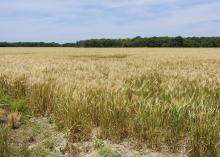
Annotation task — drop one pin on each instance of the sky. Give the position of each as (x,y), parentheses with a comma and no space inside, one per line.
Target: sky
(72,20)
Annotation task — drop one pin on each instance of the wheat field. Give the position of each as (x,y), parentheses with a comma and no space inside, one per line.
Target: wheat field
(152,96)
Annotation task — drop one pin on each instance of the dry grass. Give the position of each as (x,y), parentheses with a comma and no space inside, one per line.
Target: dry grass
(153,96)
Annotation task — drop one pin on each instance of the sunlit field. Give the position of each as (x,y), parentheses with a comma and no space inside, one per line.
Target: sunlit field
(154,97)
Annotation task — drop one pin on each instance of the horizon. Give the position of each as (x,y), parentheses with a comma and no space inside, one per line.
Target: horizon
(71,21)
(61,43)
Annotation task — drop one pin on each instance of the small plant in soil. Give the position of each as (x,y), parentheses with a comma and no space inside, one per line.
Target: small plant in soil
(49,144)
(98,144)
(25,151)
(36,129)
(107,152)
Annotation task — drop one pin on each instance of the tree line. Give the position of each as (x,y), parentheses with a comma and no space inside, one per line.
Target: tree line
(29,44)
(129,42)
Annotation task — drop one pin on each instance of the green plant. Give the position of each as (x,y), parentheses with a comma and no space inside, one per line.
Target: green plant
(19,105)
(36,129)
(98,144)
(25,151)
(106,152)
(49,144)
(15,105)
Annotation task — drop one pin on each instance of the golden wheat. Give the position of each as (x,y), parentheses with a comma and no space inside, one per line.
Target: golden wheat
(152,96)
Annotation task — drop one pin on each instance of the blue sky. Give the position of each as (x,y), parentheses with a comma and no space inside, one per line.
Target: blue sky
(71,20)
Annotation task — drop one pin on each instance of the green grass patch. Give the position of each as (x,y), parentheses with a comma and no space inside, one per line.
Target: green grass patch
(98,144)
(24,151)
(107,152)
(103,150)
(36,129)
(14,105)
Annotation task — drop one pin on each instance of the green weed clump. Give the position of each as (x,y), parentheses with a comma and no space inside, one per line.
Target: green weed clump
(103,150)
(98,144)
(107,152)
(24,151)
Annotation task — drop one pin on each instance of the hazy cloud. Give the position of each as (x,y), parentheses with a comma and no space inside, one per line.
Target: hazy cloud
(70,20)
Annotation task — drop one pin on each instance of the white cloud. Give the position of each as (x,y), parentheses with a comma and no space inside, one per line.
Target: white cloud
(70,20)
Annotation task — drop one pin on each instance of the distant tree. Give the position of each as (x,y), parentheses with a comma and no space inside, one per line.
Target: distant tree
(129,42)
(177,42)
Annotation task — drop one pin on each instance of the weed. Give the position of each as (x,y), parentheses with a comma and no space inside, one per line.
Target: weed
(19,105)
(49,144)
(103,150)
(25,151)
(36,129)
(98,144)
(107,152)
